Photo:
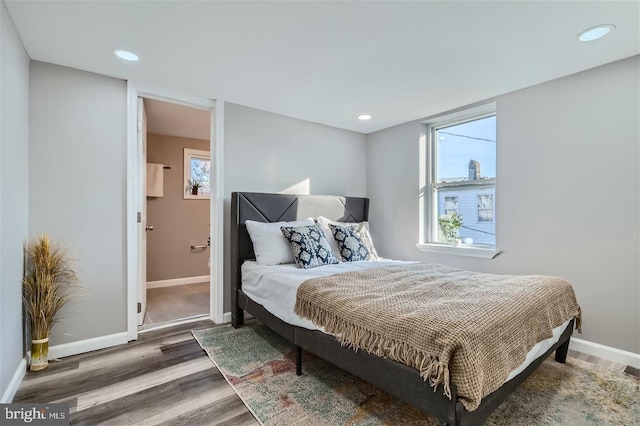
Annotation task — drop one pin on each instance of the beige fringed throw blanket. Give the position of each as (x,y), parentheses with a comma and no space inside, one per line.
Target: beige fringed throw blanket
(454,326)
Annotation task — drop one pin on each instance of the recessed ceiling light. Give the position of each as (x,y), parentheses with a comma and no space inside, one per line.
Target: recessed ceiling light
(596,32)
(126,55)
(364,117)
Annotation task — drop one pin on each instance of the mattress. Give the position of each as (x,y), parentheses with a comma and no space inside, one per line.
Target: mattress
(275,288)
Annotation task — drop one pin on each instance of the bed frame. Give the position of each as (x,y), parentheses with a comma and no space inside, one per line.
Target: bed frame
(397,379)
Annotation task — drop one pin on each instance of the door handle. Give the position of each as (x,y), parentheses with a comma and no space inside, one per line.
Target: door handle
(149,228)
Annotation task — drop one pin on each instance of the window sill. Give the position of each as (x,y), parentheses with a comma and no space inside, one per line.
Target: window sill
(465,250)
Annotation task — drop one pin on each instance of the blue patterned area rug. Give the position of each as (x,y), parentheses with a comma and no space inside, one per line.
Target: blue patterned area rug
(260,366)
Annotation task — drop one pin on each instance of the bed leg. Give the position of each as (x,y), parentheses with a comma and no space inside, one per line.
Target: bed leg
(298,361)
(561,352)
(237,317)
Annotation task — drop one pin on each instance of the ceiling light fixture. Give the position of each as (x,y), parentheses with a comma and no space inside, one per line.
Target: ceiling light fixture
(597,32)
(364,117)
(126,55)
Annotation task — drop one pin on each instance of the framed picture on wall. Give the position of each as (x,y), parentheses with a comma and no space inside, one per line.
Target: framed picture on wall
(197,174)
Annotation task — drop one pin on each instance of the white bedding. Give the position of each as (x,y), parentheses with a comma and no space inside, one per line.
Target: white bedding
(275,287)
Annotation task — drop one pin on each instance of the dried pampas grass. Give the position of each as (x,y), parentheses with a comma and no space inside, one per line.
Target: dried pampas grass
(49,283)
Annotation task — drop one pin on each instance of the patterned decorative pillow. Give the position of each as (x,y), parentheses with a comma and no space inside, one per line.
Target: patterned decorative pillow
(354,242)
(324,225)
(309,246)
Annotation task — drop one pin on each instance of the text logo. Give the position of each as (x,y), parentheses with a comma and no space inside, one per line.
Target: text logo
(34,414)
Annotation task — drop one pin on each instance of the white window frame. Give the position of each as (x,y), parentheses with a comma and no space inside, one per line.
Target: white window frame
(429,203)
(188,155)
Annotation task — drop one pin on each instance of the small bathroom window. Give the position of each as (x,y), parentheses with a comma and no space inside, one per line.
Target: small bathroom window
(197,174)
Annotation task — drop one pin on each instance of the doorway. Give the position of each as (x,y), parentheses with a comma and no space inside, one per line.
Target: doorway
(176,143)
(136,201)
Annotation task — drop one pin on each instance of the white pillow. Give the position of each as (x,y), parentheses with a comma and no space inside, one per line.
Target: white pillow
(324,225)
(269,245)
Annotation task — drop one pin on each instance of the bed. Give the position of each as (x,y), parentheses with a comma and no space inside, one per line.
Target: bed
(394,377)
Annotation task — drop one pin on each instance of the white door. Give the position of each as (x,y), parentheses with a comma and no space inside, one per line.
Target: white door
(143,228)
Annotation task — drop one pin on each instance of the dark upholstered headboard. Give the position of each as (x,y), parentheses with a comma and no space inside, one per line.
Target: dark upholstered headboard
(282,207)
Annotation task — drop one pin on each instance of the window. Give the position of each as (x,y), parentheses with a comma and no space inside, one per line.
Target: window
(461,178)
(450,205)
(485,208)
(197,172)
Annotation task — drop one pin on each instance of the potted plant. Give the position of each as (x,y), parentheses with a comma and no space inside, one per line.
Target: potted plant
(193,185)
(450,225)
(48,284)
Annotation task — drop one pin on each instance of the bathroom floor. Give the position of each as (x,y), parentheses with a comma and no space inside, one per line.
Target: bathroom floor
(177,302)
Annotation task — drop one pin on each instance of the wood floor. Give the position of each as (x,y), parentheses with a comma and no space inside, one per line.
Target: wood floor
(162,378)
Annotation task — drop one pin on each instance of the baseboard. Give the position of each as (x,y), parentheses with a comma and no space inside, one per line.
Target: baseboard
(14,384)
(87,345)
(605,352)
(177,281)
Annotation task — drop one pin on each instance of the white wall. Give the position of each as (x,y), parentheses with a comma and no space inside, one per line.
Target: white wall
(266,152)
(77,189)
(567,195)
(14,142)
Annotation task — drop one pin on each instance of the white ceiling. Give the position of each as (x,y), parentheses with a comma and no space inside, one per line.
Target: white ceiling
(328,62)
(165,118)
